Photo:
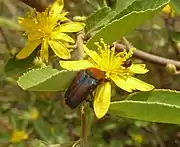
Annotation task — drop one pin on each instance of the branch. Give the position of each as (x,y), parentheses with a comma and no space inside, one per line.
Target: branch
(79,43)
(83,127)
(40,5)
(149,57)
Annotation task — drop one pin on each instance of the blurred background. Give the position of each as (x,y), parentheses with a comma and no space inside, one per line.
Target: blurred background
(57,124)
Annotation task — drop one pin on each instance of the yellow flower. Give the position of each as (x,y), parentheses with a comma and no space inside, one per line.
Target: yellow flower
(18,136)
(48,29)
(34,113)
(138,138)
(113,65)
(168,10)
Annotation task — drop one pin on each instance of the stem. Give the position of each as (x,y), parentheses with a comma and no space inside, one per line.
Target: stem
(79,44)
(157,136)
(83,125)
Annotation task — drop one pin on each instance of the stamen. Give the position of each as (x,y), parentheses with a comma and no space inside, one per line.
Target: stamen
(98,46)
(130,53)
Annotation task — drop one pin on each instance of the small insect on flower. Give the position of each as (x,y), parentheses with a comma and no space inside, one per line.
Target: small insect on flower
(48,29)
(80,88)
(105,66)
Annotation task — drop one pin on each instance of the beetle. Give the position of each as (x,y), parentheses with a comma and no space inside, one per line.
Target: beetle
(85,82)
(80,88)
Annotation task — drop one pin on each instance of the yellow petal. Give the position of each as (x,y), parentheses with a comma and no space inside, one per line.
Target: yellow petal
(138,68)
(167,9)
(93,55)
(30,47)
(102,99)
(44,54)
(121,82)
(131,83)
(62,36)
(35,36)
(138,84)
(60,49)
(71,27)
(56,8)
(76,65)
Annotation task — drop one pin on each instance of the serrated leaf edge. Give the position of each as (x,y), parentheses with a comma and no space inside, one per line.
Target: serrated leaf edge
(24,74)
(126,7)
(142,102)
(155,90)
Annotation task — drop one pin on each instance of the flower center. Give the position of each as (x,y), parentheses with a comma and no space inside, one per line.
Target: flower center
(46,24)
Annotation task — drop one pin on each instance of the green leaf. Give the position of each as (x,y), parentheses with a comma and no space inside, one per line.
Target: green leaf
(15,66)
(141,5)
(175,5)
(5,137)
(123,4)
(42,129)
(98,19)
(121,26)
(46,79)
(8,23)
(176,37)
(156,106)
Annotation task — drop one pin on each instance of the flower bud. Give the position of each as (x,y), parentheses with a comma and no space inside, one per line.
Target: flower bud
(171,68)
(178,45)
(38,62)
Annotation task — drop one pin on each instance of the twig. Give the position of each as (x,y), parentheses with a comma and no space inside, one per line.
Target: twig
(79,44)
(154,129)
(40,5)
(83,126)
(149,57)
(76,143)
(80,55)
(126,42)
(169,23)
